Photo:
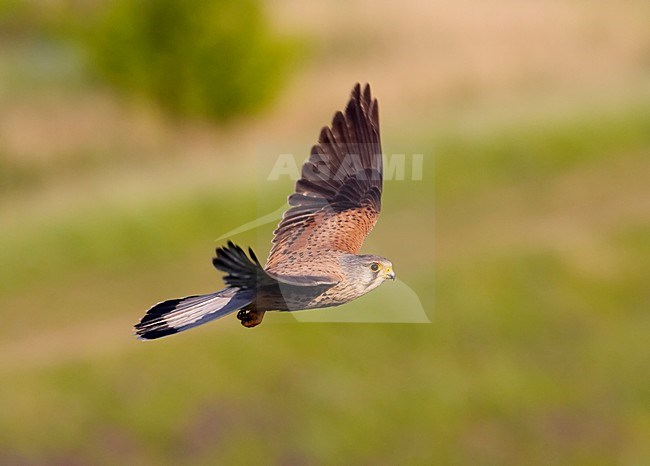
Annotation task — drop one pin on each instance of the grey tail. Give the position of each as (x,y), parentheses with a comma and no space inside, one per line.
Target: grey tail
(177,315)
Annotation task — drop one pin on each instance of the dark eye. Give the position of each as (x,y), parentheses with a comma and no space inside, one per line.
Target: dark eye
(374,267)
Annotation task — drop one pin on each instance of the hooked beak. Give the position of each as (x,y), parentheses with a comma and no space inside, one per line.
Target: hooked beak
(390,274)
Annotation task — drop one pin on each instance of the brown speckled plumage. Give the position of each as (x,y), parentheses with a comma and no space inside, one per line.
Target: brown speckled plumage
(314,259)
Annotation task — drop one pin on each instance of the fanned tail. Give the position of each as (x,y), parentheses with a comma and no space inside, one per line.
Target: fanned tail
(177,315)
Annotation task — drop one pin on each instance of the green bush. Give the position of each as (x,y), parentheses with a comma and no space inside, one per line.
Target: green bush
(210,58)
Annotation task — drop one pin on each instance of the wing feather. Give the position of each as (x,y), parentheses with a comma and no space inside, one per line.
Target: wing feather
(337,200)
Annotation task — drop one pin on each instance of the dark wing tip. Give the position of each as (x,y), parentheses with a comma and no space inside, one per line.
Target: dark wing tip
(326,136)
(241,271)
(357,95)
(363,99)
(253,256)
(374,113)
(367,94)
(356,91)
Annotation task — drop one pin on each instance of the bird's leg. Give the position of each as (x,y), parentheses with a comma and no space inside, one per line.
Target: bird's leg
(250,317)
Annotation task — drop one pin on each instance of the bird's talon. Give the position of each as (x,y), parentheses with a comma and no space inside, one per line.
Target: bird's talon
(250,318)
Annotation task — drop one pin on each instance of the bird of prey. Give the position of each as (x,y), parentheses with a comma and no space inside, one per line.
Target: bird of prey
(314,260)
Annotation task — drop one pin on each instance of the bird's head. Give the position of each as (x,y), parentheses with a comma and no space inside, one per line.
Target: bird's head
(367,271)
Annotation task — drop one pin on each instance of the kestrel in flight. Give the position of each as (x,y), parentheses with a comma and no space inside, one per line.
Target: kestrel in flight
(314,260)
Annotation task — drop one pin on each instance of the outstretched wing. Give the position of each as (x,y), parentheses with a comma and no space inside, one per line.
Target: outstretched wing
(338,197)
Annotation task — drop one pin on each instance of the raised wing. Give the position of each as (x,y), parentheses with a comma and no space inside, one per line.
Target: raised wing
(338,197)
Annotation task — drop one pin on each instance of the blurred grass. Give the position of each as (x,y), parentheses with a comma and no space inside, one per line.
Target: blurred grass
(530,358)
(108,237)
(533,356)
(527,243)
(533,152)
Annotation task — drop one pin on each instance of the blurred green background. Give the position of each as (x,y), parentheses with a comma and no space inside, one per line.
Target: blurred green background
(132,135)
